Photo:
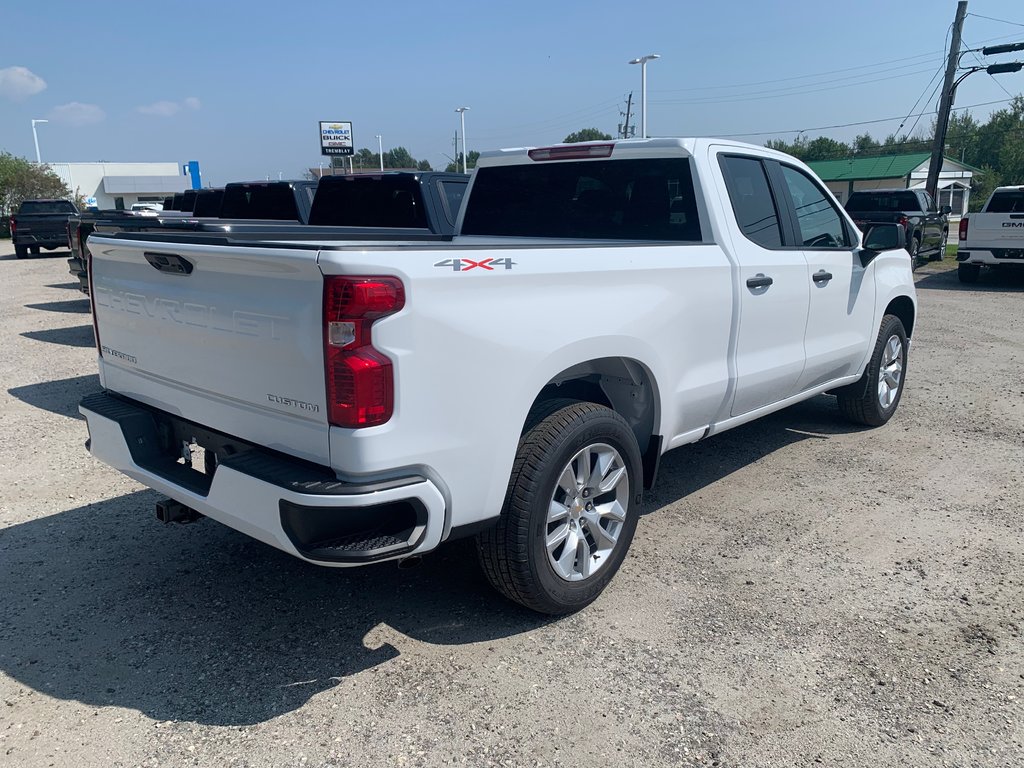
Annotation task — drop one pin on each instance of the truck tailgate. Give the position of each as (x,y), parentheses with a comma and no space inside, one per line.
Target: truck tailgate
(229,337)
(996,230)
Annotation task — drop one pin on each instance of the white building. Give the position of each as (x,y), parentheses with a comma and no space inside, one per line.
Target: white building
(118,185)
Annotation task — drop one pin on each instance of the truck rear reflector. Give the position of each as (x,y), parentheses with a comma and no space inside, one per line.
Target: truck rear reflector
(360,379)
(572,152)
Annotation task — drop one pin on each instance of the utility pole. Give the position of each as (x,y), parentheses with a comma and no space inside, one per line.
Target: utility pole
(946,102)
(629,110)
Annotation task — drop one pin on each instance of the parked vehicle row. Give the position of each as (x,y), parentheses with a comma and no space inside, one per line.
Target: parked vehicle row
(598,304)
(387,206)
(994,237)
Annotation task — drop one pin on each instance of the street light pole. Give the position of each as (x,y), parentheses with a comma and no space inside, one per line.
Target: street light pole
(465,151)
(35,136)
(380,151)
(642,61)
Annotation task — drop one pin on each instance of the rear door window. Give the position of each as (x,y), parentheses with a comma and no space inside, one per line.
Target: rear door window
(452,193)
(592,200)
(752,200)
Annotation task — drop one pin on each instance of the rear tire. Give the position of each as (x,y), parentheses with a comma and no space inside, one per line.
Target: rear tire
(34,249)
(570,511)
(941,253)
(872,401)
(968,273)
(21,251)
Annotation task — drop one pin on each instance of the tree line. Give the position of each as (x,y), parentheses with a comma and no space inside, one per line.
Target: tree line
(21,180)
(995,146)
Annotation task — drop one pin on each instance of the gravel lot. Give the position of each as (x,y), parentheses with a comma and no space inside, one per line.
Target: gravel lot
(799,593)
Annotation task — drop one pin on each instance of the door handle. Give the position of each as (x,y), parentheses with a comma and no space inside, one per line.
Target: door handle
(759,281)
(821,277)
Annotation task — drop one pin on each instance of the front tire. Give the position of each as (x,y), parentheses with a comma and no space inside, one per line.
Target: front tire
(872,401)
(968,273)
(570,511)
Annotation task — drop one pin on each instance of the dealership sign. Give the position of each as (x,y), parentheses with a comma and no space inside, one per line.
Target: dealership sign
(335,138)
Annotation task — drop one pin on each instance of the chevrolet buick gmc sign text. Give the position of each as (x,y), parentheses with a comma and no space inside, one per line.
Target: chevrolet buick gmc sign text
(335,138)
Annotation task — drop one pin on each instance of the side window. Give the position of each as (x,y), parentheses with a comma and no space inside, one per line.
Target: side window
(452,194)
(752,200)
(819,223)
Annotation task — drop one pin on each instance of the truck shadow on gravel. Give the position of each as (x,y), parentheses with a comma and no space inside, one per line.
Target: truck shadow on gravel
(105,606)
(60,396)
(690,468)
(74,306)
(78,336)
(199,623)
(1001,280)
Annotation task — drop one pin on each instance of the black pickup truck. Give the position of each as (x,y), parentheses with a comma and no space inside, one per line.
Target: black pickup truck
(41,224)
(927,227)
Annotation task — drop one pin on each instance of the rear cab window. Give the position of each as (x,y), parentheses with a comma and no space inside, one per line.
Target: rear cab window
(47,206)
(368,201)
(1010,201)
(626,199)
(259,201)
(863,202)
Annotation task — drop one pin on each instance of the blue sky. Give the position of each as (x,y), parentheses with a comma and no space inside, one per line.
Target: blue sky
(240,86)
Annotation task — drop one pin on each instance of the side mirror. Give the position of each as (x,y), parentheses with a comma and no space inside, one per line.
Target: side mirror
(946,210)
(881,237)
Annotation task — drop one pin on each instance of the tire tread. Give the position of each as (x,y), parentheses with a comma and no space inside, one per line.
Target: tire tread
(503,548)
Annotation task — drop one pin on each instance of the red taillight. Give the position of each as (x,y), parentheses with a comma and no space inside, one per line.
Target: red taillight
(572,152)
(963,228)
(13,225)
(360,379)
(903,220)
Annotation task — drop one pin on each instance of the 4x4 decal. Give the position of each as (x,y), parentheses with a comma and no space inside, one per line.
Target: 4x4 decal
(464,265)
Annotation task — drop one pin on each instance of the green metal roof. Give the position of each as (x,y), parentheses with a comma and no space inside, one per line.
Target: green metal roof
(881,167)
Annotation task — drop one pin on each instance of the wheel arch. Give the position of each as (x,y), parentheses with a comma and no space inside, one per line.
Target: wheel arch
(903,308)
(622,384)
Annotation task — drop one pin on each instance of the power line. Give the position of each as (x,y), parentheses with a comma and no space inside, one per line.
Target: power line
(977,58)
(800,92)
(852,125)
(1002,21)
(804,77)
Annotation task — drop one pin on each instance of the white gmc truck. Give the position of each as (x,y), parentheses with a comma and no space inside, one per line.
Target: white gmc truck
(994,237)
(601,303)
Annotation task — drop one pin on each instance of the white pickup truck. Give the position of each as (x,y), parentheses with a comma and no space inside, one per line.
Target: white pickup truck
(994,237)
(600,304)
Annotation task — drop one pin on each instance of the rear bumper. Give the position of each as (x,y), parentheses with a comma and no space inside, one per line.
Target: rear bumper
(990,256)
(55,240)
(296,506)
